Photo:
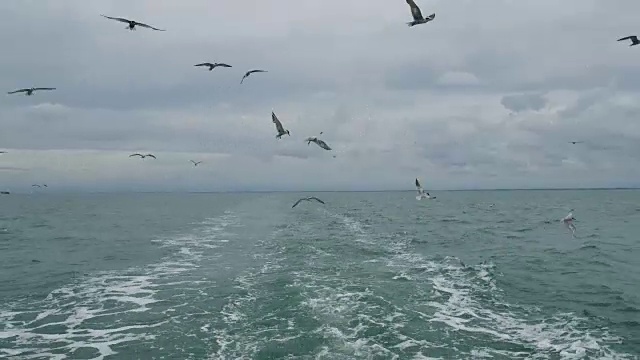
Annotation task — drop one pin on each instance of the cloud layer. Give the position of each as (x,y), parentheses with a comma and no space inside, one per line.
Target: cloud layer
(486,96)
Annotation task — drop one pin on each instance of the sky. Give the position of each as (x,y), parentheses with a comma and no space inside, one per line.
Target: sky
(488,95)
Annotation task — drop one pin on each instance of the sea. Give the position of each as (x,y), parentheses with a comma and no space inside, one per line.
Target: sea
(367,275)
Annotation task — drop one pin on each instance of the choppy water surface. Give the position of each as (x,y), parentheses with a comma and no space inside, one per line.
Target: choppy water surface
(367,276)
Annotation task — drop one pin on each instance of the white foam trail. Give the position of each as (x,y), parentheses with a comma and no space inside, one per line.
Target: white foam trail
(69,313)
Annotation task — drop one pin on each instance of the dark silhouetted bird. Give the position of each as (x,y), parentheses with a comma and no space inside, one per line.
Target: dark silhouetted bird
(249,73)
(633,38)
(131,23)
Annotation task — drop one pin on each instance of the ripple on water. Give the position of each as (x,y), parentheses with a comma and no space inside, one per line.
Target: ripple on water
(91,317)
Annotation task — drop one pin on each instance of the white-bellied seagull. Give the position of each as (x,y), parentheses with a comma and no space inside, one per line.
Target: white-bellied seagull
(279,127)
(421,193)
(568,222)
(314,139)
(417,15)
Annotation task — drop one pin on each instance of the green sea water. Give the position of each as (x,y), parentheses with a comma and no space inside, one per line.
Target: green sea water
(469,275)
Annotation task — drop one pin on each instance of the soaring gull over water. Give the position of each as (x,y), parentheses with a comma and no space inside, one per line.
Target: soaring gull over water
(30,91)
(195,163)
(421,193)
(213,66)
(246,75)
(417,15)
(633,38)
(307,199)
(568,222)
(279,127)
(131,23)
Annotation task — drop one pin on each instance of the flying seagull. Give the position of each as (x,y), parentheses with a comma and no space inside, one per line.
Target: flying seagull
(214,65)
(132,23)
(143,156)
(633,38)
(417,15)
(195,163)
(249,73)
(421,193)
(575,142)
(281,130)
(307,199)
(5,192)
(568,222)
(30,91)
(318,142)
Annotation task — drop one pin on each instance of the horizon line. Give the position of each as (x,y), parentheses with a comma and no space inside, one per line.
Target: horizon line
(317,191)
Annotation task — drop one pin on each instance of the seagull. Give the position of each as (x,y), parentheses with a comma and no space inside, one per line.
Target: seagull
(132,24)
(307,199)
(143,156)
(5,192)
(213,66)
(417,15)
(575,142)
(195,163)
(249,73)
(281,130)
(568,222)
(29,91)
(318,142)
(421,193)
(633,38)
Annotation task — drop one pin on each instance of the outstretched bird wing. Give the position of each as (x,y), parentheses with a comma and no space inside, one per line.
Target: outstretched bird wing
(419,187)
(151,155)
(136,154)
(249,73)
(116,18)
(17,91)
(297,202)
(632,38)
(204,64)
(316,199)
(222,64)
(322,144)
(43,88)
(35,185)
(415,10)
(277,122)
(148,26)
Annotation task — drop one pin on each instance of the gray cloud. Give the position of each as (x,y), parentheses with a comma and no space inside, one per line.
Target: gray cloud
(523,102)
(487,95)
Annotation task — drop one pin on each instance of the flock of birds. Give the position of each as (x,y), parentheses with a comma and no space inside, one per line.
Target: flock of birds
(418,19)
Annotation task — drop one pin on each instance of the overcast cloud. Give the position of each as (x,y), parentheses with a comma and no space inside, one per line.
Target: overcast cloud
(488,95)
